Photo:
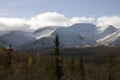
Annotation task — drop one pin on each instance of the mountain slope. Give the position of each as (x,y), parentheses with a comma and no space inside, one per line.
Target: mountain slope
(16,38)
(111,40)
(77,35)
(45,31)
(35,46)
(74,36)
(109,30)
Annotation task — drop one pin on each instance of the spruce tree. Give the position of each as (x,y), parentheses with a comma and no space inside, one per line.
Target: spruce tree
(57,44)
(58,68)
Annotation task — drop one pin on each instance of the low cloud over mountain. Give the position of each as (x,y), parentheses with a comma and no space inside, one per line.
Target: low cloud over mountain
(54,19)
(105,20)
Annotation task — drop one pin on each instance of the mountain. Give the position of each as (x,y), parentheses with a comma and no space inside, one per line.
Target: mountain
(111,40)
(45,31)
(36,45)
(109,30)
(16,38)
(77,35)
(3,32)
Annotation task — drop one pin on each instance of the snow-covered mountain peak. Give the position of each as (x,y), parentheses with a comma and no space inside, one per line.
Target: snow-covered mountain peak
(45,28)
(76,35)
(110,29)
(45,31)
(110,39)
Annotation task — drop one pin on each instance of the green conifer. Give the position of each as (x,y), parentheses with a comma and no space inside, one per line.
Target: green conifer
(58,68)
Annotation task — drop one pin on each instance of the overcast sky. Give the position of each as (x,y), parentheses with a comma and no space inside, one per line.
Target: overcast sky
(35,14)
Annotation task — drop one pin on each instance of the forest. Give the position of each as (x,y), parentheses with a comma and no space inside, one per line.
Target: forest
(90,63)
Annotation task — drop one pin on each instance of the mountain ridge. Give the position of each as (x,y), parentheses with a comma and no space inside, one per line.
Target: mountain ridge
(77,35)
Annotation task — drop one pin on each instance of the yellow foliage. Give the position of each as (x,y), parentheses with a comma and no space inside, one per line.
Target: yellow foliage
(30,60)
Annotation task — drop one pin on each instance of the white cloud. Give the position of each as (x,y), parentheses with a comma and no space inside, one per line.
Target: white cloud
(53,19)
(48,19)
(105,21)
(41,20)
(13,24)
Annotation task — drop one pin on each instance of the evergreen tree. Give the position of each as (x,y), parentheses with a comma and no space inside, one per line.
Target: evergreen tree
(58,68)
(57,44)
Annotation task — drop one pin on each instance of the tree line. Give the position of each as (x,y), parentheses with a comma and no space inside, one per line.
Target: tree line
(22,66)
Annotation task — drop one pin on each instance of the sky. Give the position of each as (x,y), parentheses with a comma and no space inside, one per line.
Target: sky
(34,14)
(70,8)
